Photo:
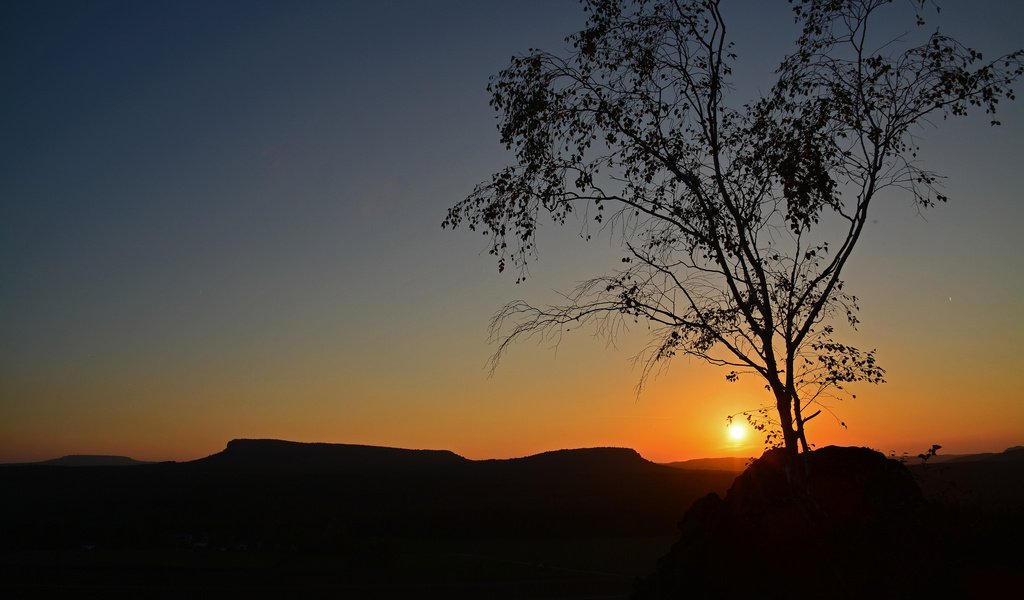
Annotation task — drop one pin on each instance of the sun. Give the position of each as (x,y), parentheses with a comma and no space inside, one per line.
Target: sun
(737,432)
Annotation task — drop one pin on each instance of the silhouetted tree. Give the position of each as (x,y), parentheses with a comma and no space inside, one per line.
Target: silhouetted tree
(736,220)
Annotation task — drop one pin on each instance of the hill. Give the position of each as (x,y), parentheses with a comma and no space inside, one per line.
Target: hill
(274,493)
(734,464)
(342,458)
(90,460)
(1014,454)
(990,482)
(347,520)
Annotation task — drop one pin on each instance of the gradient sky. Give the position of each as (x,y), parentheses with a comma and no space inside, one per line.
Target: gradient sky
(222,220)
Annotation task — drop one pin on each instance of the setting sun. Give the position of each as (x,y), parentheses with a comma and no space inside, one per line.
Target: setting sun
(737,432)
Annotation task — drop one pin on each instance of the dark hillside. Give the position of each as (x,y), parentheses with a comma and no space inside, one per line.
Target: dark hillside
(361,517)
(730,463)
(91,460)
(348,458)
(1015,454)
(990,483)
(272,494)
(878,529)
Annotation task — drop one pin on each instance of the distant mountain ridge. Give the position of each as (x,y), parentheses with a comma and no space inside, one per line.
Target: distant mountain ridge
(728,463)
(1014,454)
(276,494)
(604,458)
(274,453)
(91,460)
(269,453)
(279,494)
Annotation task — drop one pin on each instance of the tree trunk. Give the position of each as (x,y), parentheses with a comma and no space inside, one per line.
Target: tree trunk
(783,403)
(794,403)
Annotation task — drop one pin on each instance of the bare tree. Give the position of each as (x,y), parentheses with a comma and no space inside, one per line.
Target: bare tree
(736,221)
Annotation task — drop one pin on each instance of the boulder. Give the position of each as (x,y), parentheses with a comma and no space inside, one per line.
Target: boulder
(832,523)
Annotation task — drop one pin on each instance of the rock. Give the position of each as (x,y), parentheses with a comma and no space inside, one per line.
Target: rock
(836,523)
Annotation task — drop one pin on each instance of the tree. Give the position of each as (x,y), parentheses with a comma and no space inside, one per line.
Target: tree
(736,220)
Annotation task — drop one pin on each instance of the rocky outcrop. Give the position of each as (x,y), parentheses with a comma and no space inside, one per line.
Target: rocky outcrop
(836,523)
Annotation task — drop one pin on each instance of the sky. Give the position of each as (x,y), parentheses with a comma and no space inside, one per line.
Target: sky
(221,220)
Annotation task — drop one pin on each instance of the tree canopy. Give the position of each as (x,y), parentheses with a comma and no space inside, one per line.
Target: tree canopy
(736,219)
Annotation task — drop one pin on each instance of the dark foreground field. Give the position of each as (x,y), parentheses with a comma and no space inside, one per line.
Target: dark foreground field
(379,568)
(273,519)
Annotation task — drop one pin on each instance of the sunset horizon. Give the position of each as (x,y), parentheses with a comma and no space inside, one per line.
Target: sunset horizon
(233,230)
(742,449)
(520,299)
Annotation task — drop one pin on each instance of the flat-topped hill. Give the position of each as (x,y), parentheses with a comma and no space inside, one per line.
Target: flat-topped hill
(266,453)
(91,460)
